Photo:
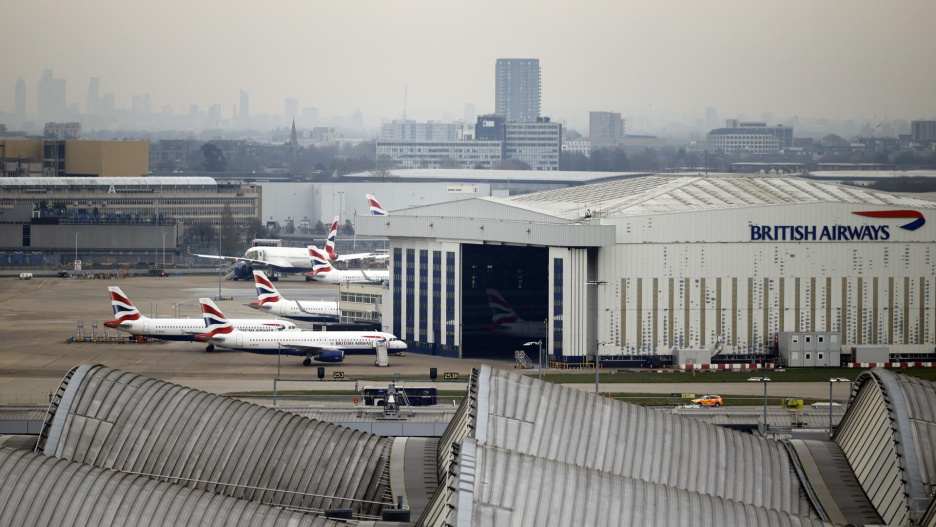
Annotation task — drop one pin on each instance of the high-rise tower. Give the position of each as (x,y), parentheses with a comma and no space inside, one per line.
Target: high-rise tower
(20,99)
(517,89)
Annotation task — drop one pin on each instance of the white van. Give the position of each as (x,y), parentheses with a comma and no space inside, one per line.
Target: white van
(25,276)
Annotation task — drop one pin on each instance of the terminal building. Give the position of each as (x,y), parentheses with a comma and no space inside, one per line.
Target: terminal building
(646,266)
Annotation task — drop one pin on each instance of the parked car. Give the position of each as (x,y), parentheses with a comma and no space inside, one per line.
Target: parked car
(63,274)
(708,400)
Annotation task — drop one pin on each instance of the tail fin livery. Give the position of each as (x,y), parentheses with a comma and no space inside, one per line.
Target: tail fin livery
(215,322)
(501,312)
(124,310)
(266,293)
(319,261)
(376,208)
(330,241)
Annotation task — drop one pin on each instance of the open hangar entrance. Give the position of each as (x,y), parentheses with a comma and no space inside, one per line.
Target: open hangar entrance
(505,299)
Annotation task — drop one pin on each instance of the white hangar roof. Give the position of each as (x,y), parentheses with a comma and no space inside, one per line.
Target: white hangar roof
(663,194)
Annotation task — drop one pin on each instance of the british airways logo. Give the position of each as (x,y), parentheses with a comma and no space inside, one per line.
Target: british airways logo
(797,233)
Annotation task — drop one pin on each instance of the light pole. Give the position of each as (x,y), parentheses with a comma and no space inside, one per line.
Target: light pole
(596,283)
(831,381)
(540,344)
(765,380)
(164,250)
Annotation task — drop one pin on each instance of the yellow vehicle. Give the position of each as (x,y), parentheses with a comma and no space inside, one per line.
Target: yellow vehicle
(708,400)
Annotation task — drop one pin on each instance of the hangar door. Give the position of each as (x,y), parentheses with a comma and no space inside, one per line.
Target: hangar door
(505,300)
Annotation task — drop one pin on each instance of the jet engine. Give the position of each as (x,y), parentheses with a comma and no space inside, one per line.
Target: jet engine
(243,271)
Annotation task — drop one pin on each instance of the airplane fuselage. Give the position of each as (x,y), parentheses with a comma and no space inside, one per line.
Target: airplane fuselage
(307,311)
(298,342)
(185,329)
(373,276)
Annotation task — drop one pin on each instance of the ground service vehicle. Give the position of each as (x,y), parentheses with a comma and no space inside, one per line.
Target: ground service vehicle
(374,396)
(708,400)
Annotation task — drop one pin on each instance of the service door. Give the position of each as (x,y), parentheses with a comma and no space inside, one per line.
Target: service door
(240,340)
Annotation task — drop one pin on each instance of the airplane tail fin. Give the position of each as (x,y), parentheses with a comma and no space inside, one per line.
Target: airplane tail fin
(330,241)
(124,310)
(501,312)
(319,261)
(376,208)
(215,321)
(266,293)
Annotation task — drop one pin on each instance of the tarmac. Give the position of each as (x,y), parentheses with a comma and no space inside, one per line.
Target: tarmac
(38,316)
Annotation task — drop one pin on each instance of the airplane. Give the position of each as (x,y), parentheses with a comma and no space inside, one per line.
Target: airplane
(129,319)
(269,300)
(376,208)
(279,259)
(323,346)
(322,271)
(504,319)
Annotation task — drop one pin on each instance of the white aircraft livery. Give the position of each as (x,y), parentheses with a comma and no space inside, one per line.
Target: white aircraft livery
(128,318)
(323,271)
(324,346)
(269,300)
(333,254)
(376,208)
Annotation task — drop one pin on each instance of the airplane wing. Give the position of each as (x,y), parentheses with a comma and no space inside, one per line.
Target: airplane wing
(361,256)
(232,258)
(276,264)
(313,349)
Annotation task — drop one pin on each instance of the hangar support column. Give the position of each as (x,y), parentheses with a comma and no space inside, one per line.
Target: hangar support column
(570,333)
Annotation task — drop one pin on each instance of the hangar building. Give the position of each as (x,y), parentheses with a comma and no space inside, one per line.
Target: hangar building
(675,263)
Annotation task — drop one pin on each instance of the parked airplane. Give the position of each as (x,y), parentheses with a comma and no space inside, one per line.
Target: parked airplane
(322,271)
(129,319)
(375,207)
(505,320)
(279,259)
(333,254)
(271,301)
(324,346)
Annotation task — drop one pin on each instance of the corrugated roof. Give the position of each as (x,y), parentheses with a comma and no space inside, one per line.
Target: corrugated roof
(921,404)
(555,422)
(113,419)
(509,489)
(665,194)
(104,181)
(41,490)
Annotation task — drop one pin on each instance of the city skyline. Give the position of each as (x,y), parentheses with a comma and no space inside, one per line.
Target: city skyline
(650,62)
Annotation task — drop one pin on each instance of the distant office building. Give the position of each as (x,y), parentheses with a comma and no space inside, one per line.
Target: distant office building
(923,131)
(147,104)
(357,120)
(577,147)
(408,130)
(244,105)
(711,118)
(214,112)
(291,109)
(489,128)
(93,100)
(538,144)
(784,134)
(20,99)
(136,106)
(62,131)
(441,154)
(740,140)
(470,113)
(517,89)
(766,117)
(61,158)
(193,110)
(605,128)
(51,97)
(639,143)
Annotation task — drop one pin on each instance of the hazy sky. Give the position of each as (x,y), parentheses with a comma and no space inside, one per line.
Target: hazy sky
(819,58)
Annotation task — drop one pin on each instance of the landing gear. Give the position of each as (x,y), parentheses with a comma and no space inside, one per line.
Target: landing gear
(209,348)
(307,362)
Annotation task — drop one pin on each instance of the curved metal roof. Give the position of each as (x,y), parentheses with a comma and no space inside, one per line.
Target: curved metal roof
(123,421)
(513,176)
(553,422)
(42,490)
(667,194)
(500,488)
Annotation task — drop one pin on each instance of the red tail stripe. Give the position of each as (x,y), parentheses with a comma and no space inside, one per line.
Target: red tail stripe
(208,309)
